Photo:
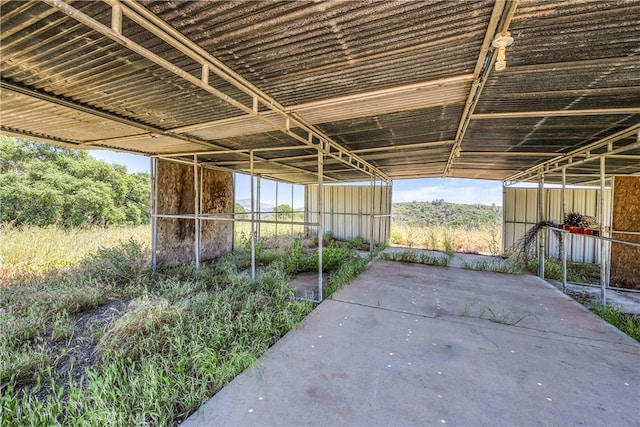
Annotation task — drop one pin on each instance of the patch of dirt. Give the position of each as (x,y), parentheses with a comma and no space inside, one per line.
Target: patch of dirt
(71,356)
(306,284)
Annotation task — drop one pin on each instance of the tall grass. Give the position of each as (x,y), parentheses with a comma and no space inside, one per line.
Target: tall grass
(176,338)
(416,258)
(269,229)
(107,341)
(31,251)
(447,239)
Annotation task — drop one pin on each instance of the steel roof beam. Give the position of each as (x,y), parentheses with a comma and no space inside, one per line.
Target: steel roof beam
(557,113)
(499,22)
(19,133)
(147,20)
(567,160)
(4,84)
(509,154)
(150,130)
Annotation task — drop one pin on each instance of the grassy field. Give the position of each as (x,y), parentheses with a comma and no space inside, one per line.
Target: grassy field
(486,240)
(106,341)
(29,251)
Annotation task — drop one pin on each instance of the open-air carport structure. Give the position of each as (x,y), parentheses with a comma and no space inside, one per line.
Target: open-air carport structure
(317,93)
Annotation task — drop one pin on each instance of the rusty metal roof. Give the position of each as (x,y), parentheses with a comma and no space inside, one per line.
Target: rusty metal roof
(394,89)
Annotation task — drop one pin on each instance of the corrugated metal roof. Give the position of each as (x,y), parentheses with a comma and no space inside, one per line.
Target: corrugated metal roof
(387,81)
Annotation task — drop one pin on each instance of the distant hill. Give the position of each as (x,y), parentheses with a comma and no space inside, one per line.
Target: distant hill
(441,213)
(264,207)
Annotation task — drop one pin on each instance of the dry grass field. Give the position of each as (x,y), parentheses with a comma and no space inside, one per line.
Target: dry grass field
(480,240)
(28,252)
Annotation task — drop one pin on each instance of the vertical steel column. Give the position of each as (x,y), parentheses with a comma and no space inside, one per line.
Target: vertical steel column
(380,218)
(154,213)
(253,237)
(504,217)
(259,210)
(277,209)
(564,236)
(389,207)
(603,264)
(233,223)
(196,211)
(307,212)
(371,219)
(320,219)
(292,209)
(610,221)
(541,239)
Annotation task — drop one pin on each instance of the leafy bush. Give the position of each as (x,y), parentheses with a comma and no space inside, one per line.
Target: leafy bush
(41,184)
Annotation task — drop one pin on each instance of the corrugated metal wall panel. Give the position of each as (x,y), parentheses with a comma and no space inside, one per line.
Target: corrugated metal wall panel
(521,213)
(347,211)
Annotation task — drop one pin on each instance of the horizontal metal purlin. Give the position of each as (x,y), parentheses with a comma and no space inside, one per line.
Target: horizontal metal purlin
(153,24)
(93,111)
(177,40)
(213,165)
(556,113)
(20,133)
(238,151)
(567,159)
(108,116)
(404,146)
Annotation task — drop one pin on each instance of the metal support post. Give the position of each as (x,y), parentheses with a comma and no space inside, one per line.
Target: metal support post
(564,236)
(196,211)
(276,209)
(381,218)
(259,210)
(233,224)
(292,208)
(372,209)
(154,213)
(504,217)
(603,263)
(320,221)
(541,232)
(253,237)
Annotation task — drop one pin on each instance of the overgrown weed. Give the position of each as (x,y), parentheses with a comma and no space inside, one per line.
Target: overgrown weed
(172,339)
(416,257)
(31,253)
(182,338)
(448,239)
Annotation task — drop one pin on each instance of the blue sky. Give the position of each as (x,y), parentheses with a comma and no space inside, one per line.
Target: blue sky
(454,190)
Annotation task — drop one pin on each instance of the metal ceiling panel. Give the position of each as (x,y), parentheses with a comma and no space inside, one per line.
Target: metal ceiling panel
(300,52)
(20,112)
(392,82)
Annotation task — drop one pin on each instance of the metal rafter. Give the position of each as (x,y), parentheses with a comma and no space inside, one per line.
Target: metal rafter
(585,153)
(499,22)
(557,113)
(149,130)
(147,20)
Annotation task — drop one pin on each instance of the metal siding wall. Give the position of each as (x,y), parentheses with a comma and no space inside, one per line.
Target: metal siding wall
(520,215)
(347,211)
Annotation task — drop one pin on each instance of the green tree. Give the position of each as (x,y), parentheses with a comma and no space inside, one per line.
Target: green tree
(284,212)
(41,184)
(240,209)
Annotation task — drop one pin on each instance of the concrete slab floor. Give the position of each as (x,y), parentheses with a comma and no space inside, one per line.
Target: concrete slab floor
(410,344)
